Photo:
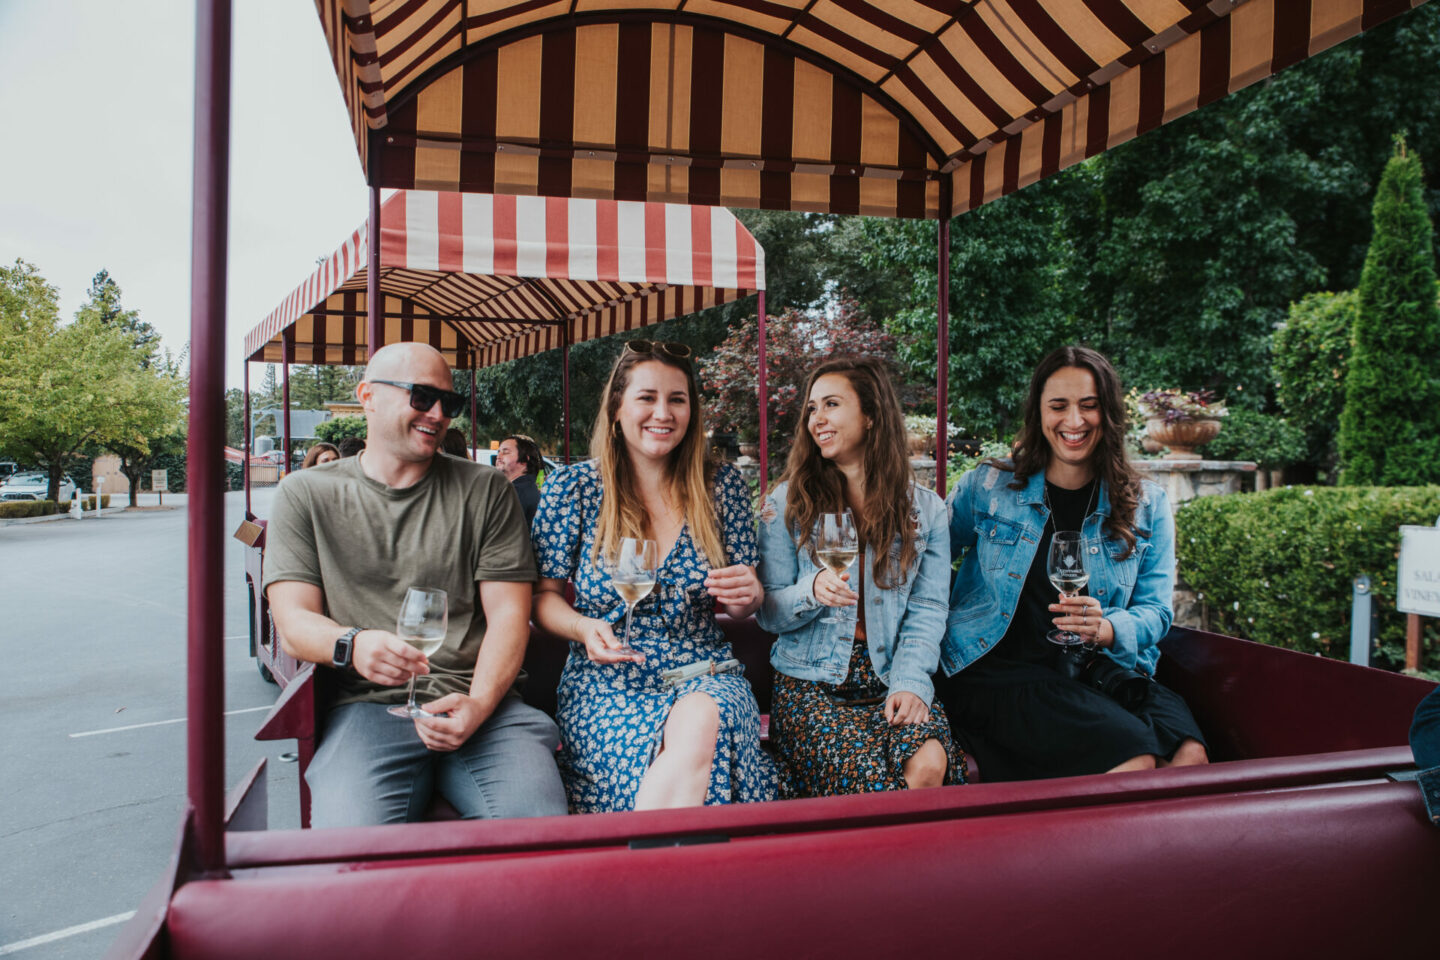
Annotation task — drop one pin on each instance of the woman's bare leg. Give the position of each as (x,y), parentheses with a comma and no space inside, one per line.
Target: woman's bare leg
(1146,761)
(680,774)
(1190,753)
(927,766)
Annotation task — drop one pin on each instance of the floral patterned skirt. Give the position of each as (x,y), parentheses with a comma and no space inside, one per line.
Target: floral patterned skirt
(827,748)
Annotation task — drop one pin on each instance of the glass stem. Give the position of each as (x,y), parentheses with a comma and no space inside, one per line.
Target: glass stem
(410,703)
(625,641)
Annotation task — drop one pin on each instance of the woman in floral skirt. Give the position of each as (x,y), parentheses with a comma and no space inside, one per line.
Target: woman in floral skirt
(854,707)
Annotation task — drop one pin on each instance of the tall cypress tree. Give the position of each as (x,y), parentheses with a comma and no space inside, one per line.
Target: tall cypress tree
(1390,426)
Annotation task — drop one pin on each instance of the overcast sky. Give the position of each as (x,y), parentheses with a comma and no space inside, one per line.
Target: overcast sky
(95,159)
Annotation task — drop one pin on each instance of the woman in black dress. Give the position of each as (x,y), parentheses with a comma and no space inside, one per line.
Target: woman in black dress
(1024,707)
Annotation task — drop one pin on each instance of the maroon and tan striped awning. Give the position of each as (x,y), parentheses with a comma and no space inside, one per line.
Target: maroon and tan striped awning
(883,107)
(507,276)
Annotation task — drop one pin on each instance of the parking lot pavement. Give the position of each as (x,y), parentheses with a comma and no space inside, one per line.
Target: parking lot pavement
(92,630)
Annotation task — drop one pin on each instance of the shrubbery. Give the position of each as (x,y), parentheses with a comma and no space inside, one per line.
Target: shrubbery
(341,428)
(1250,435)
(1311,355)
(15,509)
(1277,566)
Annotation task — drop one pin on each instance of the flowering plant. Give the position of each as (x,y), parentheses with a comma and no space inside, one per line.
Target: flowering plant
(1175,406)
(923,425)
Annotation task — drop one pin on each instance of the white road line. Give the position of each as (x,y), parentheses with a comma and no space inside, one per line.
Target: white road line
(238,636)
(159,723)
(44,938)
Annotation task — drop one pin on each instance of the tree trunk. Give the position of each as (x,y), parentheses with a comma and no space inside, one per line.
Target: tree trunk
(132,472)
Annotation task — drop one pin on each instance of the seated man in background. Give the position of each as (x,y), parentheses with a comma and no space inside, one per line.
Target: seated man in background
(519,459)
(344,544)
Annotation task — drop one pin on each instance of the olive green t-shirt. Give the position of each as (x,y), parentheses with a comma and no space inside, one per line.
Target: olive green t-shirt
(364,544)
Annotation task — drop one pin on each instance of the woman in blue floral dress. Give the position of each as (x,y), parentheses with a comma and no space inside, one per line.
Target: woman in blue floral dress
(633,737)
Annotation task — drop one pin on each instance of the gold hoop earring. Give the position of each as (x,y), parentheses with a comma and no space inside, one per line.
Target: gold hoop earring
(614,429)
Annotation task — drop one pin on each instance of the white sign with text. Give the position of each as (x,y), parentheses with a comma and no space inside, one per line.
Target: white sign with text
(160,481)
(1417,586)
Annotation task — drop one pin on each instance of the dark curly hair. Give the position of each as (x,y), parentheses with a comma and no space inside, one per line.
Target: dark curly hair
(1030,451)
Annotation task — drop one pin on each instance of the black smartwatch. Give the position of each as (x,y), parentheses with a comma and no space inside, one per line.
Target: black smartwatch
(345,648)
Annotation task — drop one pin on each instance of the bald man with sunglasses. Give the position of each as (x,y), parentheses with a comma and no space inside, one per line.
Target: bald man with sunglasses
(345,541)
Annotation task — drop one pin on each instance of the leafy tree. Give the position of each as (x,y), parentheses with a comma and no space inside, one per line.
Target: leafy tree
(341,428)
(104,305)
(1390,425)
(1311,353)
(795,343)
(1007,306)
(1247,434)
(65,387)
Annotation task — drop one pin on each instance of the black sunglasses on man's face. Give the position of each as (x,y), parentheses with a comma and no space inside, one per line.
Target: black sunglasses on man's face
(423,396)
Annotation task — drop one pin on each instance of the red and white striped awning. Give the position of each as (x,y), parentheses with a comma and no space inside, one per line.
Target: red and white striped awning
(505,276)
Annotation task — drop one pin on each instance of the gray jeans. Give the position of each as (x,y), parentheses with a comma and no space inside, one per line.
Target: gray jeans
(373,768)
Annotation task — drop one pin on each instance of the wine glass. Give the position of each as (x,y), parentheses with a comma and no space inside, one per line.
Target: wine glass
(836,546)
(1066,570)
(423,619)
(633,579)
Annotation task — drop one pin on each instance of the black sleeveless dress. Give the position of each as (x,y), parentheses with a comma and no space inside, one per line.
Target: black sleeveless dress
(1022,719)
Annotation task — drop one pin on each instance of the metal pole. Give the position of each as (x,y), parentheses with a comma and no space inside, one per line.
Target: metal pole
(942,344)
(205,604)
(374,334)
(764,391)
(287,353)
(472,403)
(245,444)
(1362,605)
(565,389)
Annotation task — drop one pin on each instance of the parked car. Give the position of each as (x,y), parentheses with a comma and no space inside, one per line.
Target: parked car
(34,486)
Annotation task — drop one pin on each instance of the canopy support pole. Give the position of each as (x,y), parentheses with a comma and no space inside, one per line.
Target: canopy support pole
(287,353)
(473,358)
(764,392)
(942,343)
(205,603)
(373,331)
(565,389)
(245,445)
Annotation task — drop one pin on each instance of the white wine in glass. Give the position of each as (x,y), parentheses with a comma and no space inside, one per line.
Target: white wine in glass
(1065,567)
(422,622)
(837,544)
(633,579)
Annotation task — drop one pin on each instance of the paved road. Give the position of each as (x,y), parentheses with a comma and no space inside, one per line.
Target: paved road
(92,631)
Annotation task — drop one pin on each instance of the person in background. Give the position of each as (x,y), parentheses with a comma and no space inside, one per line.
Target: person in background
(350,446)
(1027,707)
(671,720)
(454,444)
(321,452)
(854,708)
(519,459)
(1425,744)
(343,546)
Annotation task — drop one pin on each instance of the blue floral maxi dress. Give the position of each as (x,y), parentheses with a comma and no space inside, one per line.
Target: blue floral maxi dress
(612,716)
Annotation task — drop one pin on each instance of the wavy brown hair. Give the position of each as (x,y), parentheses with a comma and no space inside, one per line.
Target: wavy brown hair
(1030,452)
(817,486)
(691,473)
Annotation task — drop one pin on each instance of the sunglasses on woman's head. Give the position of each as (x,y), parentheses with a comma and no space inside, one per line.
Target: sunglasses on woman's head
(423,396)
(670,348)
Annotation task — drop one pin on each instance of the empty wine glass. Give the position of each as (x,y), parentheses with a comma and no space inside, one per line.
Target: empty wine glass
(633,579)
(1066,570)
(836,545)
(423,619)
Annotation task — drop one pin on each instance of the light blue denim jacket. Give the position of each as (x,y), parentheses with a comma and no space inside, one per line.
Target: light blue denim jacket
(1001,528)
(904,624)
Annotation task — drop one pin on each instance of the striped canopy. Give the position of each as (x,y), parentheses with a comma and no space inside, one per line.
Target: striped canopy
(885,107)
(507,276)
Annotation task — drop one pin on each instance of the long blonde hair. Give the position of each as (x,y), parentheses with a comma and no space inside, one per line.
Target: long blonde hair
(691,473)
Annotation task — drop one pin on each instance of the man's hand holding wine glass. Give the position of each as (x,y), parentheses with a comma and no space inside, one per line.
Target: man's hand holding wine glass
(382,657)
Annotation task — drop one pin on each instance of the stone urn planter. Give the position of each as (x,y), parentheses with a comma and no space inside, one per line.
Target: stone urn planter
(1183,436)
(750,448)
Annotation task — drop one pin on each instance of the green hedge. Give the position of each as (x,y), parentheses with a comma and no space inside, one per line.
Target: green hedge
(88,503)
(1277,566)
(14,509)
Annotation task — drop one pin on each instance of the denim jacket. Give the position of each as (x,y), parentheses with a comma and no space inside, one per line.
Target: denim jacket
(904,624)
(1001,528)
